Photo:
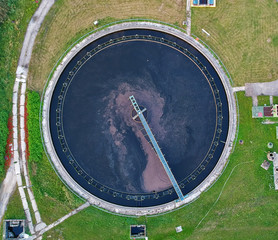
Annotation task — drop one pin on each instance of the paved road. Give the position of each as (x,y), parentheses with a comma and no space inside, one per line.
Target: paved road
(7,188)
(238,89)
(256,89)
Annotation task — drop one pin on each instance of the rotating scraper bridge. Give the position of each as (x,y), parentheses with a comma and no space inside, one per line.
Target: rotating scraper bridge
(156,147)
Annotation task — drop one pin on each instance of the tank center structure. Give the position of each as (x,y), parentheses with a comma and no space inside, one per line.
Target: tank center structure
(146,155)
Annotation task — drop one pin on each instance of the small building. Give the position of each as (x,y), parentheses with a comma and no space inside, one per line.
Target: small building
(264,111)
(265,165)
(138,232)
(14,229)
(203,3)
(257,112)
(268,111)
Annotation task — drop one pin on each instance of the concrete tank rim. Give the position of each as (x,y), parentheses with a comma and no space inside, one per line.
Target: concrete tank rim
(135,211)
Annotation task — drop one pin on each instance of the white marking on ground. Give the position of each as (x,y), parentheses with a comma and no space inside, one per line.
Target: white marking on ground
(220,193)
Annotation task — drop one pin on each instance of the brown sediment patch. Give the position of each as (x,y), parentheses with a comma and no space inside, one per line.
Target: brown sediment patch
(154,177)
(112,129)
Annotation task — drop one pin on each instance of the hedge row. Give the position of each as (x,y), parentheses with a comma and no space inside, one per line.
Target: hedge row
(33,126)
(3,138)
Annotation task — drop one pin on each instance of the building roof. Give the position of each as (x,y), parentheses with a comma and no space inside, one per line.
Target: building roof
(14,228)
(268,112)
(203,3)
(257,111)
(137,231)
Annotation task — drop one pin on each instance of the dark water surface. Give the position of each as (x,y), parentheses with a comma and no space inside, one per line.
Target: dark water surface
(105,150)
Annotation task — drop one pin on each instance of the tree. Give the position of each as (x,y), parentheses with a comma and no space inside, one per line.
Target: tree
(3,11)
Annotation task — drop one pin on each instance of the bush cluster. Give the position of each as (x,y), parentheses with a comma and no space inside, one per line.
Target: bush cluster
(6,7)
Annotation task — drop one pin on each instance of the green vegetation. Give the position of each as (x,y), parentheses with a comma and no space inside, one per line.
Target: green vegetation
(71,19)
(242,204)
(262,100)
(33,125)
(275,41)
(245,210)
(14,17)
(53,198)
(3,11)
(15,209)
(92,224)
(3,138)
(275,100)
(244,35)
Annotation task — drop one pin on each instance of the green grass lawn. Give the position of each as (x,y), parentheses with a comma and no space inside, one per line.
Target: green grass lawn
(69,19)
(262,100)
(15,209)
(244,34)
(275,100)
(246,209)
(53,197)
